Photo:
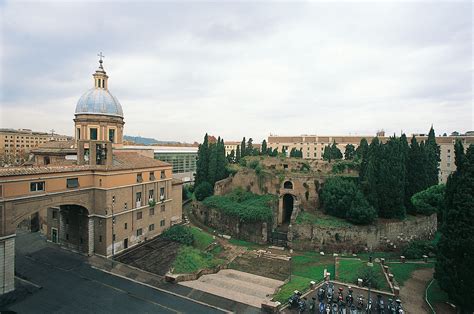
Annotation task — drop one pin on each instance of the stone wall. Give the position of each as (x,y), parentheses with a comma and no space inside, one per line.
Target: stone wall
(253,232)
(386,235)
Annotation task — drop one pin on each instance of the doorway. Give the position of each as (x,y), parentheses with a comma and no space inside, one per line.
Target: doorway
(288,202)
(125,243)
(54,235)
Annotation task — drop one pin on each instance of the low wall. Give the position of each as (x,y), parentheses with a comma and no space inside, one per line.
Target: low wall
(383,236)
(253,232)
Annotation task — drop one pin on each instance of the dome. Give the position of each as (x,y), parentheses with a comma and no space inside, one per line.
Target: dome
(99,101)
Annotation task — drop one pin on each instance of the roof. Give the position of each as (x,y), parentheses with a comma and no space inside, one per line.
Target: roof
(56,147)
(99,101)
(163,149)
(121,161)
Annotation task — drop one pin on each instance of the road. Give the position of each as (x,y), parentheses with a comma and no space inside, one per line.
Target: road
(70,285)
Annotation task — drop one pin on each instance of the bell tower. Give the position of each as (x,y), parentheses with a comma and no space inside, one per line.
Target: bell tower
(100,77)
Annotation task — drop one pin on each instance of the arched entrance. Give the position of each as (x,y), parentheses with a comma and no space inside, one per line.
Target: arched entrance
(71,224)
(288,204)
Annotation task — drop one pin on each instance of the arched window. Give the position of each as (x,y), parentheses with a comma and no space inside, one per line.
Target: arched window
(288,185)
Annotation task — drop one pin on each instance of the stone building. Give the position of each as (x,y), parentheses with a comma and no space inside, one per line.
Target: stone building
(312,146)
(86,194)
(15,145)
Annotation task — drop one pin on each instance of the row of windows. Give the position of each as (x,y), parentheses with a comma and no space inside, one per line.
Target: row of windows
(151,213)
(151,176)
(151,197)
(93,134)
(39,186)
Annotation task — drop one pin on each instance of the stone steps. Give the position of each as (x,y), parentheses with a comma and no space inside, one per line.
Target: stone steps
(236,285)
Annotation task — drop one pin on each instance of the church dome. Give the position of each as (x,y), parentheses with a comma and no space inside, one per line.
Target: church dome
(99,101)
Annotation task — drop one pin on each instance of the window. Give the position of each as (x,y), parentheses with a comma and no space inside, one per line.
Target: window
(162,194)
(162,223)
(72,183)
(163,175)
(37,186)
(139,215)
(150,195)
(448,164)
(152,176)
(151,227)
(55,214)
(93,133)
(47,161)
(125,206)
(67,236)
(112,135)
(125,226)
(139,232)
(100,238)
(139,199)
(163,208)
(288,185)
(78,133)
(139,177)
(152,211)
(113,237)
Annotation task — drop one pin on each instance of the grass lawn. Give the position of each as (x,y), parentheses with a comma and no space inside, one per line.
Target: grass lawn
(402,272)
(190,260)
(322,220)
(296,283)
(436,295)
(305,267)
(350,270)
(311,265)
(201,239)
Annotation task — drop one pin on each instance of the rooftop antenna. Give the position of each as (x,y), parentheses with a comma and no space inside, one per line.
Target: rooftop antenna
(52,132)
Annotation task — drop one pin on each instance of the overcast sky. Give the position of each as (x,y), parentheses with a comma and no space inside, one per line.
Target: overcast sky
(239,69)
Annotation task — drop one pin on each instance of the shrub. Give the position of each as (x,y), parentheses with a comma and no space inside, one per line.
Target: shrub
(368,274)
(429,201)
(243,162)
(343,165)
(180,234)
(203,190)
(418,248)
(361,212)
(246,206)
(337,195)
(253,164)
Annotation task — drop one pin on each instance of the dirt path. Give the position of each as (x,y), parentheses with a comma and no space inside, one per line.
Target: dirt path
(412,293)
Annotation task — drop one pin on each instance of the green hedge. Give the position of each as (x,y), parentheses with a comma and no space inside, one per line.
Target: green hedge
(180,234)
(246,206)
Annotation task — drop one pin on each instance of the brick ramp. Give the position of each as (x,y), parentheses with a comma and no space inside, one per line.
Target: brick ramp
(236,285)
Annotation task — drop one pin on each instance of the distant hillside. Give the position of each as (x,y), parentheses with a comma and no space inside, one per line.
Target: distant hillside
(147,140)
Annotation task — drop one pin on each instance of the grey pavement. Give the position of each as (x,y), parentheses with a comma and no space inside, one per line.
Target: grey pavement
(70,285)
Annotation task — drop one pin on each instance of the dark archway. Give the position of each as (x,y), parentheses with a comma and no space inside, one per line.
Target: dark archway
(288,185)
(288,202)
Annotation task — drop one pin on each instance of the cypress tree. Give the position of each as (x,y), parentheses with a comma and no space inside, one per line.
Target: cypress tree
(264,148)
(433,158)
(335,151)
(243,150)
(349,152)
(237,154)
(250,151)
(212,169)
(221,170)
(369,179)
(361,154)
(455,257)
(202,163)
(416,171)
(231,157)
(327,155)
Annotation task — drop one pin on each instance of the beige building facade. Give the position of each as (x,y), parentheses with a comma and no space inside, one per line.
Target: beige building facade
(87,194)
(15,145)
(312,146)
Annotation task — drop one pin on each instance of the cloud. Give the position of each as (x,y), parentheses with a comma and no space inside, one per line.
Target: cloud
(242,69)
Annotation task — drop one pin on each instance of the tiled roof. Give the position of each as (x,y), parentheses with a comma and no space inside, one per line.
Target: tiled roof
(122,161)
(56,147)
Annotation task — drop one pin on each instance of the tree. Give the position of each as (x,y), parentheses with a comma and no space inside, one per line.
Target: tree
(221,171)
(203,190)
(337,195)
(202,163)
(416,172)
(361,154)
(283,151)
(243,150)
(429,201)
(453,269)
(237,154)
(212,169)
(335,151)
(361,212)
(264,148)
(433,158)
(250,150)
(231,157)
(349,152)
(327,153)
